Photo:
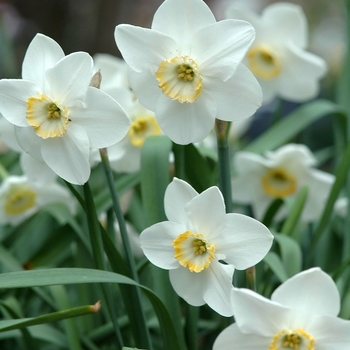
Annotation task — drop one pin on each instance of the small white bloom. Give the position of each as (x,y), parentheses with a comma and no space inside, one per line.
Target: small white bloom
(57,115)
(301,315)
(198,235)
(187,68)
(281,174)
(20,198)
(278,57)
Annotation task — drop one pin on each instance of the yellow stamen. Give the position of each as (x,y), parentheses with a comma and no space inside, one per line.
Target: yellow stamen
(264,62)
(47,118)
(179,79)
(19,200)
(141,128)
(278,183)
(293,340)
(193,251)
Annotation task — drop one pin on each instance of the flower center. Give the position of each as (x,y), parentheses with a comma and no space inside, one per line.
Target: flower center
(179,79)
(278,183)
(193,251)
(19,200)
(293,340)
(47,118)
(264,62)
(141,128)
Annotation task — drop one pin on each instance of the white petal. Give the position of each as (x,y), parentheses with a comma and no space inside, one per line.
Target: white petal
(13,96)
(188,285)
(7,134)
(68,156)
(301,74)
(269,88)
(156,243)
(231,338)
(242,13)
(143,48)
(176,18)
(184,123)
(245,242)
(237,98)
(246,188)
(217,293)
(29,141)
(36,170)
(220,58)
(285,22)
(177,195)
(320,295)
(103,119)
(42,53)
(145,87)
(206,212)
(70,78)
(258,315)
(331,333)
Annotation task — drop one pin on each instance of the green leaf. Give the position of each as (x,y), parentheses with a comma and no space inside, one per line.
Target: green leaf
(275,264)
(288,127)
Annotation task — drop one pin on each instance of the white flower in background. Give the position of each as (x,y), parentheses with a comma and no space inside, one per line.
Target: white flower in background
(20,198)
(187,68)
(278,57)
(301,315)
(197,237)
(57,115)
(280,174)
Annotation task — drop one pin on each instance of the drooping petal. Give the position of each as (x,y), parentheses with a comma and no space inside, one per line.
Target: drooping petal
(42,53)
(156,243)
(220,58)
(177,195)
(238,97)
(245,242)
(217,293)
(184,123)
(331,333)
(29,141)
(178,18)
(103,119)
(302,70)
(285,20)
(231,338)
(13,96)
(142,48)
(258,315)
(70,78)
(207,214)
(7,134)
(68,156)
(320,295)
(188,285)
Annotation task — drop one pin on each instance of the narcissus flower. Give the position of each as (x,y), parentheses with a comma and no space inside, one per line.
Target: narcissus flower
(20,198)
(277,57)
(301,315)
(187,68)
(195,241)
(281,174)
(57,115)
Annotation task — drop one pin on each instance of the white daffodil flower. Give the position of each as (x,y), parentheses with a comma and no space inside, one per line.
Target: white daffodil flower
(187,68)
(301,315)
(277,57)
(281,174)
(21,198)
(197,238)
(57,115)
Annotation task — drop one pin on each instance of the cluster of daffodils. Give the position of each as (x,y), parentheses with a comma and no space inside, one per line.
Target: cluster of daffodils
(280,174)
(201,245)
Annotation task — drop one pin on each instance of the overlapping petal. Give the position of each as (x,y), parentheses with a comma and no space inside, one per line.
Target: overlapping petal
(29,141)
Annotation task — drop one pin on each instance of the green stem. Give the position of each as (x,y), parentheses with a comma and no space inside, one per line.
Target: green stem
(3,172)
(191,323)
(179,153)
(251,278)
(221,128)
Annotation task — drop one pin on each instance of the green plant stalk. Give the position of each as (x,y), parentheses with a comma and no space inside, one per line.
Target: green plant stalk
(251,278)
(52,317)
(191,322)
(97,250)
(221,128)
(179,153)
(126,244)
